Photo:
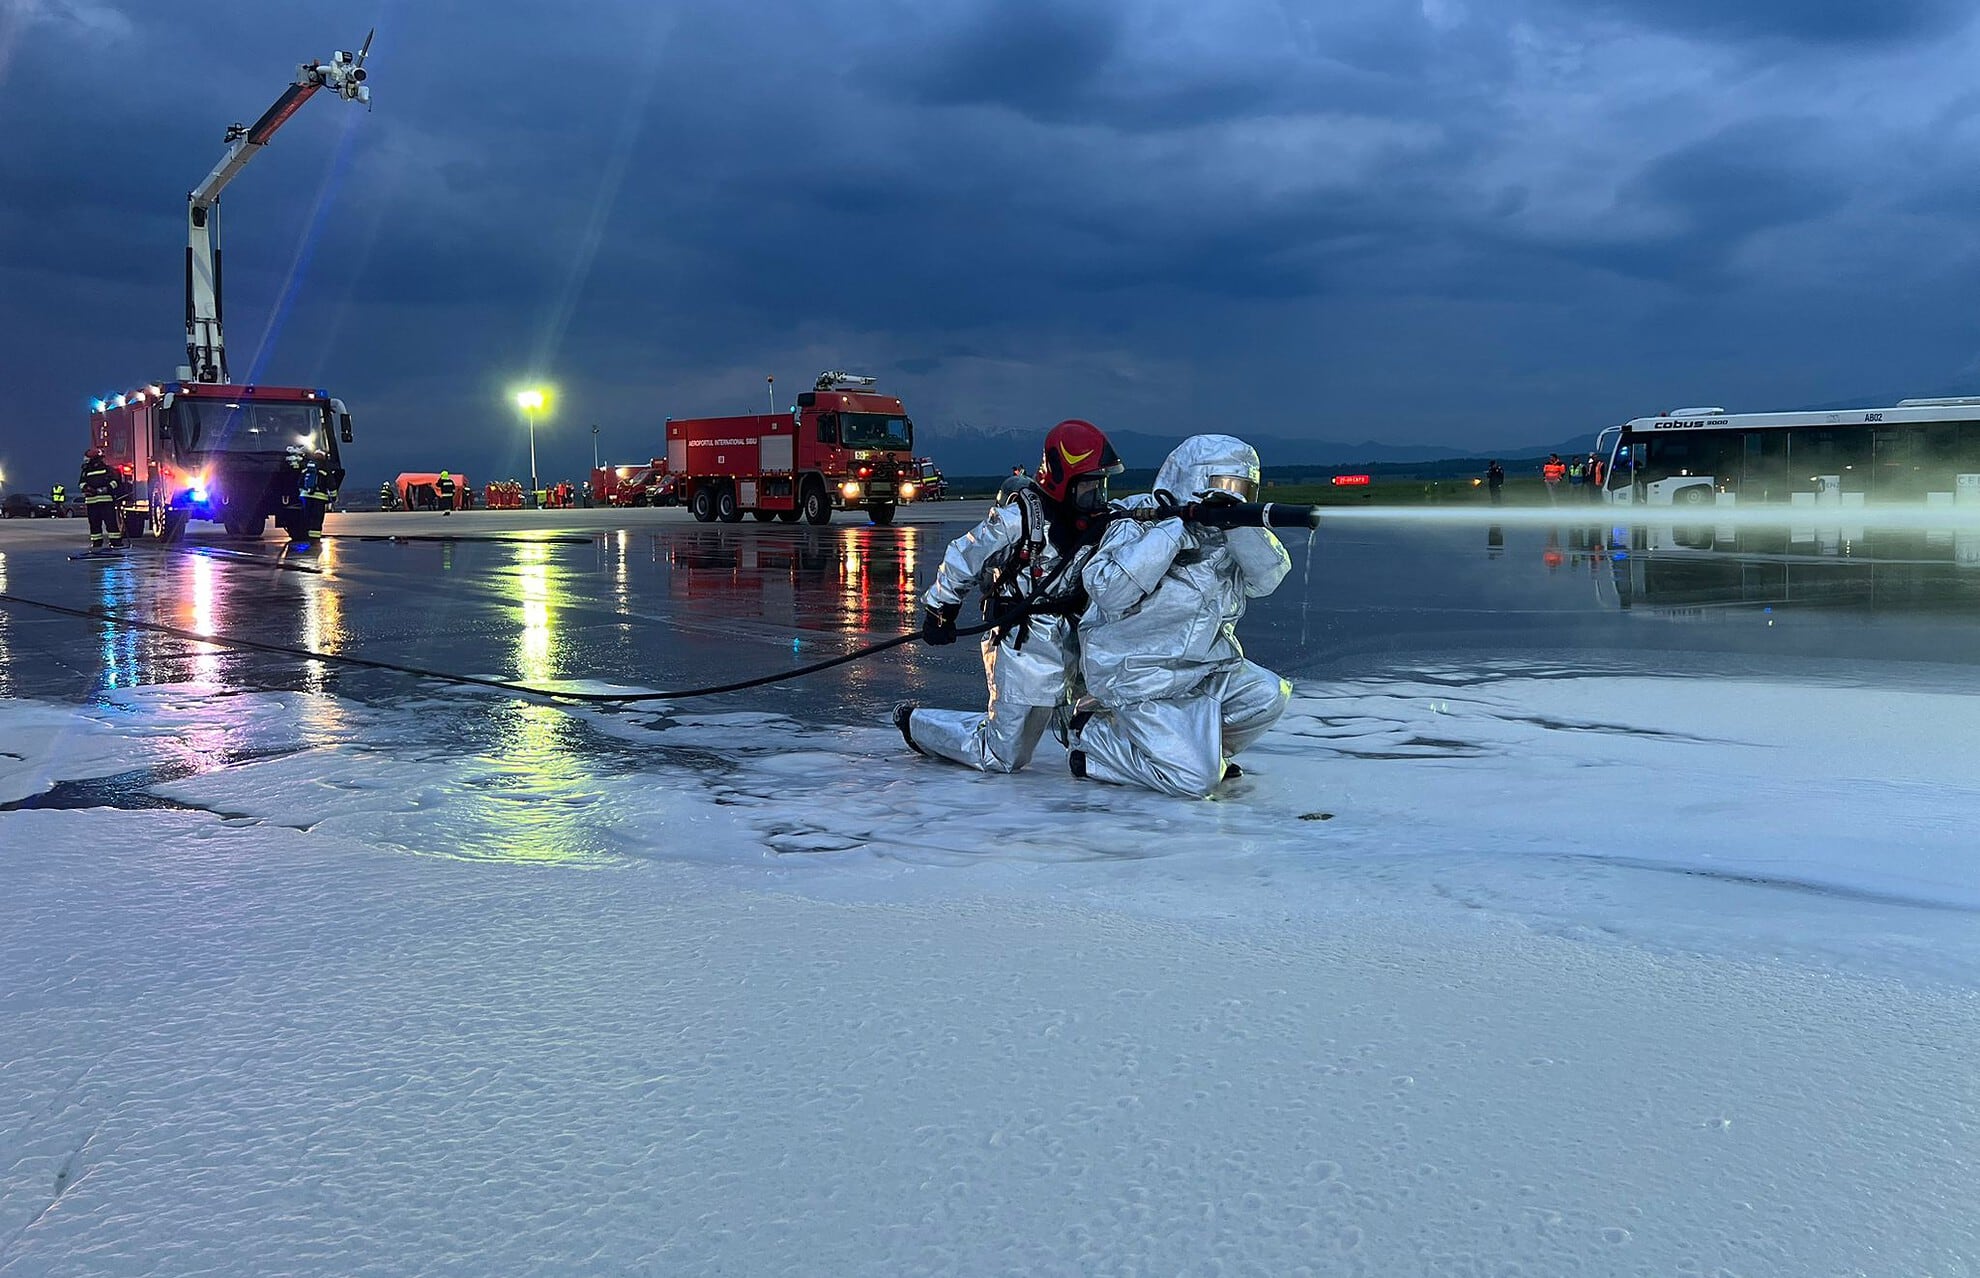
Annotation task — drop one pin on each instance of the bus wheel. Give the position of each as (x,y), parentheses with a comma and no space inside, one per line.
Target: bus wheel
(726,508)
(703,505)
(817,508)
(881,514)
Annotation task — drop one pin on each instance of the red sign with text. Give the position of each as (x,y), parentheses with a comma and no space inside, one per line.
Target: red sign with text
(1349,481)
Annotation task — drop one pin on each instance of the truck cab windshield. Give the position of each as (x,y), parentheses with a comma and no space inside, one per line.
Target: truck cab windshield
(221,426)
(875,430)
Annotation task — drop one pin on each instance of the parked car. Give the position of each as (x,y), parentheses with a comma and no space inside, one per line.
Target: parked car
(27,506)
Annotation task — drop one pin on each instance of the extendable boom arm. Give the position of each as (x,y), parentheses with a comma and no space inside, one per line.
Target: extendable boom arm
(206,353)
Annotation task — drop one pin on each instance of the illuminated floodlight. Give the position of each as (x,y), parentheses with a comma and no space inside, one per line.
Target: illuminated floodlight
(531,400)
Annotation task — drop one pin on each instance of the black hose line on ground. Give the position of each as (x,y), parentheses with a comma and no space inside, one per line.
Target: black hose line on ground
(500,685)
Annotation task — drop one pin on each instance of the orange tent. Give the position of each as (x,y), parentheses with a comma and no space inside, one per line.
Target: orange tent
(419,490)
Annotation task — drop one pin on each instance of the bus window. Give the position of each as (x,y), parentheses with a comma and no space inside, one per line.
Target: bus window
(1823,457)
(1764,473)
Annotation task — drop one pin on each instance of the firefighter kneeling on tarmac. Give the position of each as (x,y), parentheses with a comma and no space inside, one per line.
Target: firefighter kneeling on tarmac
(1025,557)
(103,490)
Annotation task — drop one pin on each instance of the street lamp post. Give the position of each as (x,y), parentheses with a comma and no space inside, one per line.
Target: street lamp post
(530,401)
(594,446)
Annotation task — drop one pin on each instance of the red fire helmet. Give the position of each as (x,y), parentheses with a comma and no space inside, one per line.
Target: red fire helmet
(1074,448)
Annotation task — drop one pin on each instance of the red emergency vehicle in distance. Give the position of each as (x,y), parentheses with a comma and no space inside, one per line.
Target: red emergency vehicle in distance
(634,484)
(842,448)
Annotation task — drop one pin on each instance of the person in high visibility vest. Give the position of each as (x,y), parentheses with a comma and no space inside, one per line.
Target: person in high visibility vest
(1552,474)
(59,495)
(101,487)
(445,487)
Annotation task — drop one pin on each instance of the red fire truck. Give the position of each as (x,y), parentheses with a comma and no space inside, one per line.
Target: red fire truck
(201,447)
(842,448)
(634,484)
(224,453)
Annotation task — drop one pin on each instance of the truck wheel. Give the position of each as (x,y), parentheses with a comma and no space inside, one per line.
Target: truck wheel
(882,515)
(817,508)
(134,527)
(789,516)
(246,525)
(174,526)
(726,508)
(1696,495)
(764,516)
(703,505)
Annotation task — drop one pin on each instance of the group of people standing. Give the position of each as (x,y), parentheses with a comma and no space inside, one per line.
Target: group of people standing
(1112,624)
(1583,476)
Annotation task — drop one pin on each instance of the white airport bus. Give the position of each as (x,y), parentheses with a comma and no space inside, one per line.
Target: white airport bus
(1923,451)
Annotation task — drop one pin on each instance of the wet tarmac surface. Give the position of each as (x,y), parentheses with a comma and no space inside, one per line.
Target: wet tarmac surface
(653,600)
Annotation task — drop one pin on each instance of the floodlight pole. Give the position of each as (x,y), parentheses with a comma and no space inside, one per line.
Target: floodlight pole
(529,415)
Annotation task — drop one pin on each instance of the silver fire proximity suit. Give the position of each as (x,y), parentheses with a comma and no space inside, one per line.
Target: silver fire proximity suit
(1158,642)
(1029,664)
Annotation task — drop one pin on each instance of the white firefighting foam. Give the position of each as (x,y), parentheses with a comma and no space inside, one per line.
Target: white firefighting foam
(1554,974)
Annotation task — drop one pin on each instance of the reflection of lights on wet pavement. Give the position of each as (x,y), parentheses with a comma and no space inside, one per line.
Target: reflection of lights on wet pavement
(536,639)
(322,631)
(119,645)
(206,661)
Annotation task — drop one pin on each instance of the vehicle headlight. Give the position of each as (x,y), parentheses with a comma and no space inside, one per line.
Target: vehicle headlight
(850,489)
(908,490)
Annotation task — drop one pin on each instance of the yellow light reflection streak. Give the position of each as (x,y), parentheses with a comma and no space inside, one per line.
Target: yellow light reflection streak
(536,776)
(536,639)
(206,657)
(323,711)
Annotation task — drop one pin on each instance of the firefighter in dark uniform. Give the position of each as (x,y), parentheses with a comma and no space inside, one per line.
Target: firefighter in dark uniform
(445,487)
(101,487)
(317,488)
(385,501)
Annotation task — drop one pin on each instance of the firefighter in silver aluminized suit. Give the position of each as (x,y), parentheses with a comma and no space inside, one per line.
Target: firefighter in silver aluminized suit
(1025,555)
(1158,642)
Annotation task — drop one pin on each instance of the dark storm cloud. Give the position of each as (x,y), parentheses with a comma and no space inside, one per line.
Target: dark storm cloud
(1008,206)
(1827,22)
(1710,198)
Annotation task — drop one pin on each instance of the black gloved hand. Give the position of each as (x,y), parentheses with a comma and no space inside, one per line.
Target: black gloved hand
(1219,497)
(938,625)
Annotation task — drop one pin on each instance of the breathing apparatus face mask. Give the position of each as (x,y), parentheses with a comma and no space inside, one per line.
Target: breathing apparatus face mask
(1089,494)
(1239,486)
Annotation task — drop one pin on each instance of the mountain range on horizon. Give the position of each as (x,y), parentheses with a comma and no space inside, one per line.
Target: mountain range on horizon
(991,452)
